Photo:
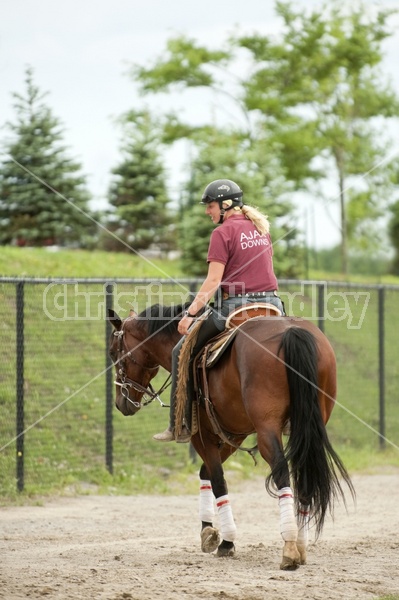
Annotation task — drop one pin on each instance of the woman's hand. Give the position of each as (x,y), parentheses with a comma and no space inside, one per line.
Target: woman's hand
(184,325)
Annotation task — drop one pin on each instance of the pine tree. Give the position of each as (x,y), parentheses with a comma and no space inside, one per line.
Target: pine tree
(41,191)
(138,190)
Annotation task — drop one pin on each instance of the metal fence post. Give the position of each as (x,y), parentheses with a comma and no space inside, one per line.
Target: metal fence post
(109,404)
(320,306)
(20,384)
(193,288)
(381,363)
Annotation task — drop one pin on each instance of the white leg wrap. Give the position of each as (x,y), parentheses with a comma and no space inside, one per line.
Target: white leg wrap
(288,525)
(303,525)
(226,521)
(206,502)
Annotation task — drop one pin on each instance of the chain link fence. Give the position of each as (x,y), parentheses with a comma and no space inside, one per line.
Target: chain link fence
(59,429)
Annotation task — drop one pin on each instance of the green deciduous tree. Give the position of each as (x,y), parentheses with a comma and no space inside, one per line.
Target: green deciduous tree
(138,188)
(237,151)
(394,234)
(394,224)
(322,92)
(315,95)
(43,198)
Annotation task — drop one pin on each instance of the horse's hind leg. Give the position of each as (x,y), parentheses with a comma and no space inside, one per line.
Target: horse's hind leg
(288,529)
(270,447)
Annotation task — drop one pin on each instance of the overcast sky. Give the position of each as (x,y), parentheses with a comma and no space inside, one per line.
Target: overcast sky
(80,50)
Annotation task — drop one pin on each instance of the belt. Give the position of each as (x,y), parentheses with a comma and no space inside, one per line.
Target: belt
(250,295)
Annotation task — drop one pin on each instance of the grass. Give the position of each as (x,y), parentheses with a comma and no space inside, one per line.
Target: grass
(382,278)
(64,384)
(42,262)
(46,262)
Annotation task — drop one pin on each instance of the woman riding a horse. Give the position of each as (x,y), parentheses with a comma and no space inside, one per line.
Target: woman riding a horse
(277,370)
(240,271)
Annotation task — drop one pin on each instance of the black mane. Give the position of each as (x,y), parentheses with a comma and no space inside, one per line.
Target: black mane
(162,318)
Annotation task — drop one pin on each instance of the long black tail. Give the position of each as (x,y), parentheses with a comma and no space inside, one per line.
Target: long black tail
(315,467)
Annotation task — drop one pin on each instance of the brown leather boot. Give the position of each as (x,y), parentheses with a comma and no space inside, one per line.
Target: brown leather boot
(165,436)
(169,436)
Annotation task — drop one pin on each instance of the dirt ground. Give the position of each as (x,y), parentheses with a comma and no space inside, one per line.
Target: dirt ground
(147,547)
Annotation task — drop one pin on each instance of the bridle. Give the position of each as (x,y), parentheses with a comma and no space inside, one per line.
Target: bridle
(125,383)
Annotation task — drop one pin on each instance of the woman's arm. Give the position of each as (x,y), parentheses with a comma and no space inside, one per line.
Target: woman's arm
(206,291)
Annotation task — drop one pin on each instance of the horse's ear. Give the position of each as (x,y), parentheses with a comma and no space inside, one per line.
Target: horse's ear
(132,312)
(114,319)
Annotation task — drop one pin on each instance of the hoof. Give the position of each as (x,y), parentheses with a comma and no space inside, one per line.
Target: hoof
(210,539)
(226,549)
(288,564)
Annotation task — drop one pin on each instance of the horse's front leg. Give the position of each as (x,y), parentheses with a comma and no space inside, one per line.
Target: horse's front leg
(214,485)
(210,537)
(303,531)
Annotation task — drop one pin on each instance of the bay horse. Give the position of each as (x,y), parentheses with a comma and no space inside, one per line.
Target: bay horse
(278,371)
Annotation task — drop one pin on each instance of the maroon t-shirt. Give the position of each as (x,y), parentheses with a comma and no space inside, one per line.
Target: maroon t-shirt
(246,254)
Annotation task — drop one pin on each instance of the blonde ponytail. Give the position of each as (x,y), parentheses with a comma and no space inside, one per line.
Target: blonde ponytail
(260,221)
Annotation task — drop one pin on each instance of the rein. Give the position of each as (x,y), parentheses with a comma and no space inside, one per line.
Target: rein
(126,383)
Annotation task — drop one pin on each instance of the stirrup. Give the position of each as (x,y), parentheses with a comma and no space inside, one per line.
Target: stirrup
(184,436)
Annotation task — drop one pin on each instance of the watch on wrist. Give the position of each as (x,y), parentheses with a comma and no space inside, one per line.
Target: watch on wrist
(187,314)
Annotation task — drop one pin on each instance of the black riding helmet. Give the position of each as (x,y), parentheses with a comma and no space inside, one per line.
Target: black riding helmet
(221,190)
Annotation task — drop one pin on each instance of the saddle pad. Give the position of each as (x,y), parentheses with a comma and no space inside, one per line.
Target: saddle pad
(216,348)
(235,319)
